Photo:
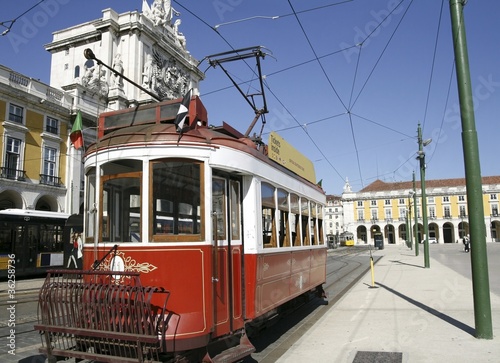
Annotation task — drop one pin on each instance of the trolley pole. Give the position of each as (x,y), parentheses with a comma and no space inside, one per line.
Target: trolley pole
(479,257)
(416,215)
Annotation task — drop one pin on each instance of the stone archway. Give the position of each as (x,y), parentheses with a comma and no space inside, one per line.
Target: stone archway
(495,231)
(389,234)
(11,199)
(448,233)
(47,203)
(361,235)
(434,232)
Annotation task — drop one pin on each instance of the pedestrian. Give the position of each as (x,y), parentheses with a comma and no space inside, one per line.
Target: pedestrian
(466,243)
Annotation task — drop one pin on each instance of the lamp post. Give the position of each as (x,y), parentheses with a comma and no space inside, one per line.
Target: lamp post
(475,207)
(408,220)
(416,215)
(421,157)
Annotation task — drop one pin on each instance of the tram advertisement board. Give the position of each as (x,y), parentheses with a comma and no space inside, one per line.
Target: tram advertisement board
(285,154)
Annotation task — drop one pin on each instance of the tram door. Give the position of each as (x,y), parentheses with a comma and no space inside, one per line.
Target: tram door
(227,249)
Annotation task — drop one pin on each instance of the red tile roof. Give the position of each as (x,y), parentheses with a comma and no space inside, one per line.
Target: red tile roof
(379,185)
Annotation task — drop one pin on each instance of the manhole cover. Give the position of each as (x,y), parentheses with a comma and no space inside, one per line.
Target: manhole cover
(378,357)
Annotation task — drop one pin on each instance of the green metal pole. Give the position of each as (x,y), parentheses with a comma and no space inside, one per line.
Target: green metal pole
(407,234)
(408,220)
(479,256)
(416,215)
(421,157)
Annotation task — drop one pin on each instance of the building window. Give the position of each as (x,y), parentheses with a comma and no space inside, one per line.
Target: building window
(12,158)
(361,215)
(373,202)
(447,213)
(494,210)
(52,126)
(15,113)
(446,199)
(401,201)
(432,212)
(49,176)
(463,212)
(388,214)
(387,202)
(374,215)
(430,199)
(461,198)
(360,203)
(493,197)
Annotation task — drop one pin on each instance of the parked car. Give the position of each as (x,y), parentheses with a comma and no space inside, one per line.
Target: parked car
(431,240)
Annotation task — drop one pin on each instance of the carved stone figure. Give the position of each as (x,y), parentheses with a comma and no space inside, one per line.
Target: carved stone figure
(117,80)
(160,12)
(147,72)
(178,35)
(164,77)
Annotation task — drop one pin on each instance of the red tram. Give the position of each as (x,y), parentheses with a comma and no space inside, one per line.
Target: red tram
(200,231)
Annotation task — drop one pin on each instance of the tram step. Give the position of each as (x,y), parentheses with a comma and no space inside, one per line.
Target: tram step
(233,354)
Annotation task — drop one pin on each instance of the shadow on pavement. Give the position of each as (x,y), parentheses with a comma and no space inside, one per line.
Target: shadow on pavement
(466,328)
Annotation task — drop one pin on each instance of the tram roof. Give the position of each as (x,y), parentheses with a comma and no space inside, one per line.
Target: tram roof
(155,124)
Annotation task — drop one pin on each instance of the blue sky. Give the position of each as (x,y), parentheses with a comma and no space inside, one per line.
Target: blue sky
(346,82)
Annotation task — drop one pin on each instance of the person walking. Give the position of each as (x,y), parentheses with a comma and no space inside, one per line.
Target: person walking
(467,243)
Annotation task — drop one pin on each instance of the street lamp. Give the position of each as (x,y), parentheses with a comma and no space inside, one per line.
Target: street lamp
(408,219)
(421,157)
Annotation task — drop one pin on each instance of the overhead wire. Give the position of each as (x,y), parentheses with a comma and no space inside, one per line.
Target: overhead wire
(432,68)
(317,59)
(12,22)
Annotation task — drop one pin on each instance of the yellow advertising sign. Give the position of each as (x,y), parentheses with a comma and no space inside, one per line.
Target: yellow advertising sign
(285,154)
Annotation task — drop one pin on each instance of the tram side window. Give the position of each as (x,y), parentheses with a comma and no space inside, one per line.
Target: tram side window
(313,224)
(268,215)
(176,205)
(321,238)
(284,214)
(295,219)
(304,206)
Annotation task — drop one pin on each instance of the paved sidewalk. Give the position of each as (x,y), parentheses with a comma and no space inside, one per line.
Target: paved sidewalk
(412,314)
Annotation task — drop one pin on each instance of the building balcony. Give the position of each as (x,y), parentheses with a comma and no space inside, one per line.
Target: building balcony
(12,174)
(50,180)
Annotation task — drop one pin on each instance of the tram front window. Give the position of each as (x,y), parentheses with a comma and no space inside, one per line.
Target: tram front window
(121,209)
(120,213)
(177,209)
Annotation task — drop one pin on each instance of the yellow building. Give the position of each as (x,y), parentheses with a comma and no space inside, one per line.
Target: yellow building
(389,208)
(34,128)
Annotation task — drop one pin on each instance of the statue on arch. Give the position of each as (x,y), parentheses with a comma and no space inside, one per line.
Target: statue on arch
(160,13)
